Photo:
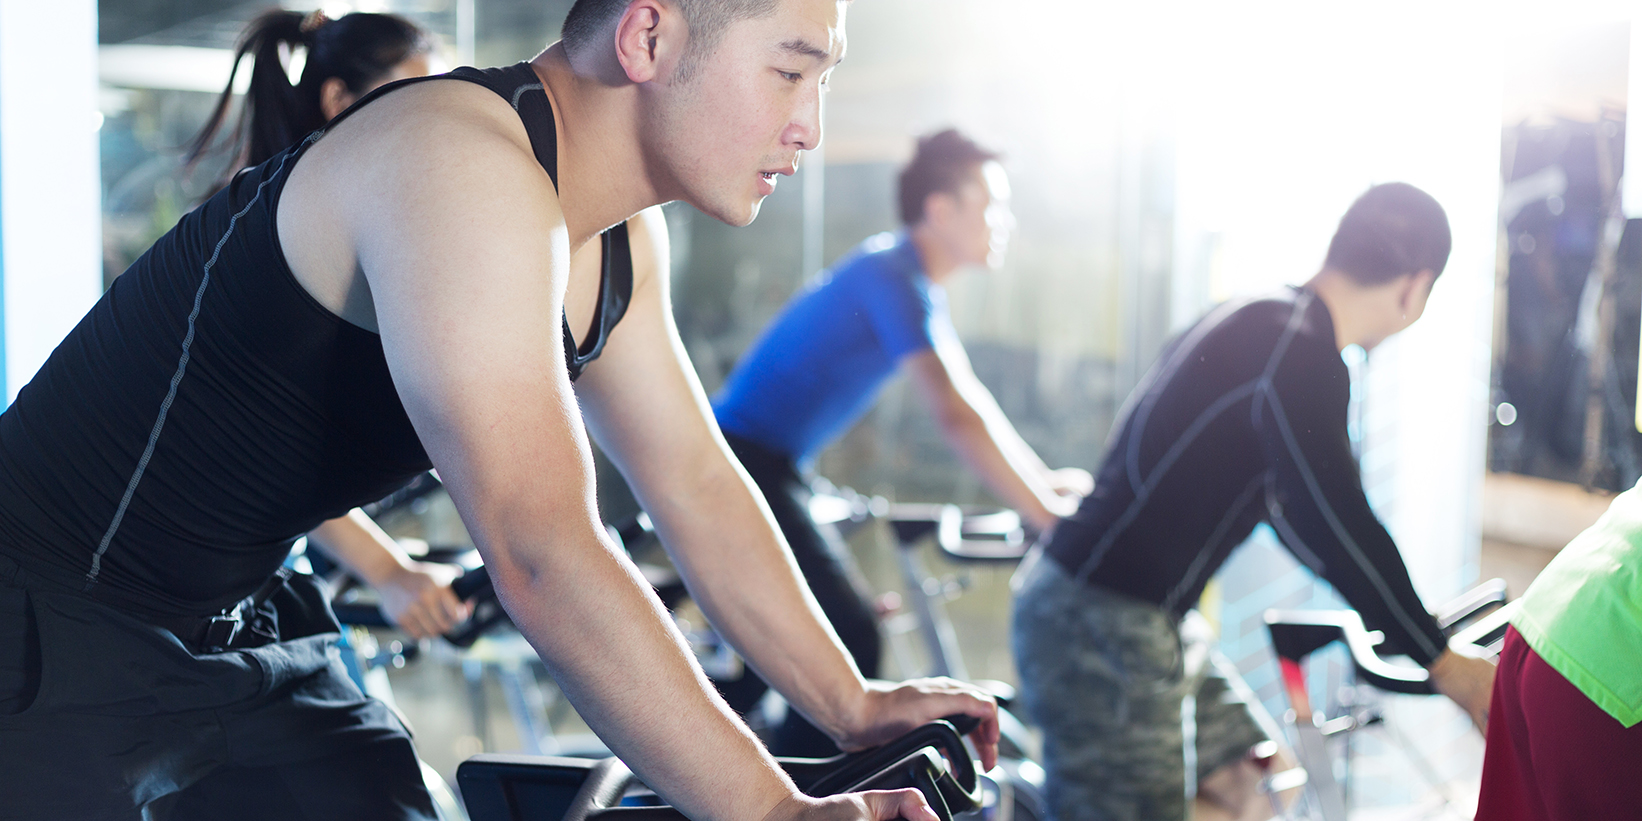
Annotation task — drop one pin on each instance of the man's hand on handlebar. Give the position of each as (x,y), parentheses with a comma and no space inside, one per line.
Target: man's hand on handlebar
(893,709)
(1468,680)
(1071,482)
(417,598)
(873,805)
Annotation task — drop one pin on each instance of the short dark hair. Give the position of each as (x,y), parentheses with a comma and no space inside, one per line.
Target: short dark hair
(1391,230)
(706,19)
(942,163)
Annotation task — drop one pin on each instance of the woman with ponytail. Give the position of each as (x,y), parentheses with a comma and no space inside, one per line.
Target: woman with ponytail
(344,60)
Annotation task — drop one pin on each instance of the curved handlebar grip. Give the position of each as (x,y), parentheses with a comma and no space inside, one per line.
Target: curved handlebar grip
(1457,612)
(962,722)
(855,769)
(1296,634)
(472,583)
(474,586)
(606,782)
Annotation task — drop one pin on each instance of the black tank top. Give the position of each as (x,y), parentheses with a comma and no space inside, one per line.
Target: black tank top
(208,411)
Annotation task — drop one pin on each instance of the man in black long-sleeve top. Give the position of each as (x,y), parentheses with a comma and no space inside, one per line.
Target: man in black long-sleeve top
(1242,420)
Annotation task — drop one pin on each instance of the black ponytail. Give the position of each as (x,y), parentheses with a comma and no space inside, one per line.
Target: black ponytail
(359,49)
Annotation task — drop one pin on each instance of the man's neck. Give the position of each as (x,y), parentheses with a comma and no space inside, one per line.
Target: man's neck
(602,169)
(1353,324)
(939,265)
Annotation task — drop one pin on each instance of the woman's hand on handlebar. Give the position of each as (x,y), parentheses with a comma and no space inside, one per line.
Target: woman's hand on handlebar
(873,805)
(417,598)
(1468,680)
(892,709)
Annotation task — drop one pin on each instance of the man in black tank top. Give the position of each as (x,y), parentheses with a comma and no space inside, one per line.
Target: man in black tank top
(417,286)
(1242,420)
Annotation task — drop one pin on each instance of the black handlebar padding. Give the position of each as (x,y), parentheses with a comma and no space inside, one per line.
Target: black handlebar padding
(471,583)
(926,779)
(854,769)
(606,782)
(499,787)
(474,586)
(962,722)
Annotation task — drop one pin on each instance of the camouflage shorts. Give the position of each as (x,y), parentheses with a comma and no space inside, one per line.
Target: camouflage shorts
(1115,689)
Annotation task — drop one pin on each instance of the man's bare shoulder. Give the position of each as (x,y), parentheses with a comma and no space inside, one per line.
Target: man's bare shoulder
(435,126)
(440,169)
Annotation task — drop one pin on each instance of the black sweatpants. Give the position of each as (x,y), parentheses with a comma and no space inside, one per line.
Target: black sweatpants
(105,716)
(833,578)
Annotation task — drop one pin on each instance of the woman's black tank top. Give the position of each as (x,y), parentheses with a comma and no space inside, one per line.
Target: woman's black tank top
(208,410)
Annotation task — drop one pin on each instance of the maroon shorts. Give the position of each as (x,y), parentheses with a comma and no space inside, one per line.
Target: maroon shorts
(1553,755)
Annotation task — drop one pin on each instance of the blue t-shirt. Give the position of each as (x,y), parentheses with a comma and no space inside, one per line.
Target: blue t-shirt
(816,368)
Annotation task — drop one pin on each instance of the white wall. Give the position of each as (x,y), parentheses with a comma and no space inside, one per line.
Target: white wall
(50,217)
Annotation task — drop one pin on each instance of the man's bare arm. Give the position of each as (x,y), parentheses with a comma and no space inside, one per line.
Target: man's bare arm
(465,255)
(976,428)
(651,416)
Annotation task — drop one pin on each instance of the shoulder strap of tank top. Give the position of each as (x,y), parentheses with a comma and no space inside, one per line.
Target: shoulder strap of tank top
(523,90)
(615,291)
(517,84)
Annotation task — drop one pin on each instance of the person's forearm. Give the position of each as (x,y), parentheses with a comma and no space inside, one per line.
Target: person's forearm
(1004,433)
(1020,486)
(621,662)
(359,545)
(725,542)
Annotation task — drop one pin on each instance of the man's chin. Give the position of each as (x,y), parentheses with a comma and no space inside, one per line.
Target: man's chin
(732,215)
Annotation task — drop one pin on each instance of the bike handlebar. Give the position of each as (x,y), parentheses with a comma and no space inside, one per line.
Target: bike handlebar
(1296,634)
(473,586)
(966,536)
(852,771)
(918,759)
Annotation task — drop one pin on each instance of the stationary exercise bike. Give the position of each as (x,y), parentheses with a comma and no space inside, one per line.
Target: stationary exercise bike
(1475,622)
(968,538)
(1015,787)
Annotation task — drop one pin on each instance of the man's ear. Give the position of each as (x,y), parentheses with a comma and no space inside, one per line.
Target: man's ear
(938,207)
(1416,288)
(649,37)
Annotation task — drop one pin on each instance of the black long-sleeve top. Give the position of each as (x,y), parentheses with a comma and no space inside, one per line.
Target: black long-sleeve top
(1242,420)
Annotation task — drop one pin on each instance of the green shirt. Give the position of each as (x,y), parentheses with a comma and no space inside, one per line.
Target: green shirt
(1583,614)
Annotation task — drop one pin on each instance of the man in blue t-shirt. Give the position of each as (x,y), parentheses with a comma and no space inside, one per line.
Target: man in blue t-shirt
(816,369)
